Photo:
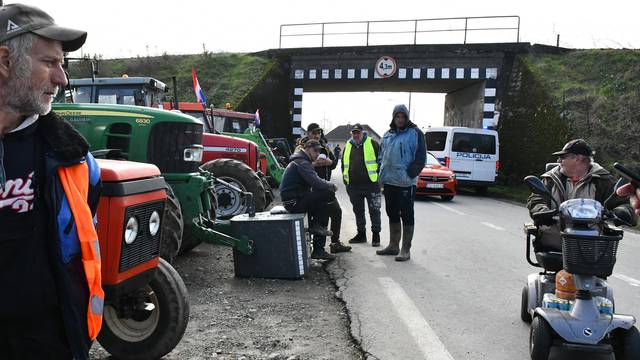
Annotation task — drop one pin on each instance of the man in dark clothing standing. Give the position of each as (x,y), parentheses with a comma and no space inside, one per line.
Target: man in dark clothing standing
(303,191)
(325,163)
(360,175)
(402,157)
(44,306)
(337,151)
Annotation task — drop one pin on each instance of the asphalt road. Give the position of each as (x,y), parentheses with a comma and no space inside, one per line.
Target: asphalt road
(459,295)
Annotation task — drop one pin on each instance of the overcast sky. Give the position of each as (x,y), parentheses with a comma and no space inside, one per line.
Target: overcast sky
(119,28)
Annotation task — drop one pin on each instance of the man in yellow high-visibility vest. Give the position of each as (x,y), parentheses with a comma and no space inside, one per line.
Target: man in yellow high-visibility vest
(360,175)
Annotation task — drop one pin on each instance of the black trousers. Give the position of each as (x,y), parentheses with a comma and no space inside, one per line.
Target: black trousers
(399,203)
(335,215)
(316,205)
(41,337)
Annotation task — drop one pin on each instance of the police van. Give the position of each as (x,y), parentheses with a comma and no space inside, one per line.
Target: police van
(472,154)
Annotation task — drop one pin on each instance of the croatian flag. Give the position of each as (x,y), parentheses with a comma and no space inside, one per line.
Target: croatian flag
(258,118)
(197,88)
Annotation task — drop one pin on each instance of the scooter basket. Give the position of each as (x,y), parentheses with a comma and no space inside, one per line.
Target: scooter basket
(588,255)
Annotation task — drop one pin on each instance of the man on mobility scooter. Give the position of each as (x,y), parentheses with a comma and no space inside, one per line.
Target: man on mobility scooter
(571,207)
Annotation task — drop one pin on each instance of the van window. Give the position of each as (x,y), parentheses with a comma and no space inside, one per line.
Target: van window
(476,143)
(436,140)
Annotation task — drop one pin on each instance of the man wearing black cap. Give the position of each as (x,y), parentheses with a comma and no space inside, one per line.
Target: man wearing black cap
(44,306)
(303,191)
(577,176)
(360,168)
(325,163)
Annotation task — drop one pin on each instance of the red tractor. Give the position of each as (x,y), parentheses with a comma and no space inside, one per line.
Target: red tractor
(234,160)
(146,305)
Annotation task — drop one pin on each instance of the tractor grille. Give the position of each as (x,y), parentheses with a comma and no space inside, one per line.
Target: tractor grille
(167,144)
(145,247)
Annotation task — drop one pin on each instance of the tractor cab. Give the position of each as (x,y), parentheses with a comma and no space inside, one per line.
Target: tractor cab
(232,122)
(141,91)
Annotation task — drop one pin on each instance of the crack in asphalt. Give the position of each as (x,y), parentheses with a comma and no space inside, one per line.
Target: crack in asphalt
(341,276)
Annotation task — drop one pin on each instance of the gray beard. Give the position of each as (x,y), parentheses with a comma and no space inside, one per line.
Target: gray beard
(23,99)
(19,93)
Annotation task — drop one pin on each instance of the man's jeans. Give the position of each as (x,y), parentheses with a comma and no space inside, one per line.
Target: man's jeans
(357,196)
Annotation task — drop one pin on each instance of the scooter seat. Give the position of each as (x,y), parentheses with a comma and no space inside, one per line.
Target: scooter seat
(550,260)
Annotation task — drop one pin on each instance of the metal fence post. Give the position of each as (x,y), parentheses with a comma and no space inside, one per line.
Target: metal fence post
(518,34)
(415,31)
(465,29)
(322,35)
(280,40)
(367,33)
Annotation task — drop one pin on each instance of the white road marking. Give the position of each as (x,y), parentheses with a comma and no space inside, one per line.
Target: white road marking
(450,209)
(492,226)
(629,280)
(423,335)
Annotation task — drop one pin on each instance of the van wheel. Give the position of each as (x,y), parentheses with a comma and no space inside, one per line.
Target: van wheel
(446,197)
(481,190)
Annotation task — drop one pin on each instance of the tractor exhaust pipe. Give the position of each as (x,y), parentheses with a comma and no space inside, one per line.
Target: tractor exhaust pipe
(175,93)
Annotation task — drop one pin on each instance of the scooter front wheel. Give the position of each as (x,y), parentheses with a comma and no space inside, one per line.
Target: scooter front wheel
(524,305)
(627,344)
(540,339)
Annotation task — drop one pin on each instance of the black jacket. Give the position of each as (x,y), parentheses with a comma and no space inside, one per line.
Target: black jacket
(300,177)
(63,146)
(323,171)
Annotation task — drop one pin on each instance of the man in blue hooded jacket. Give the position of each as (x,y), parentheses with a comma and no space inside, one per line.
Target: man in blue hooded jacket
(402,157)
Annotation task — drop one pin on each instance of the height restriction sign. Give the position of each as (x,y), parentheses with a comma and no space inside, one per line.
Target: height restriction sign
(386,66)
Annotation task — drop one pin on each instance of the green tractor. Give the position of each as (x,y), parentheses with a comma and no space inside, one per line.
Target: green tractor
(221,127)
(173,142)
(235,160)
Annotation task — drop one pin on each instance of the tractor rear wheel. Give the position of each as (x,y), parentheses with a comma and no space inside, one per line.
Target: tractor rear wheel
(239,174)
(172,227)
(157,318)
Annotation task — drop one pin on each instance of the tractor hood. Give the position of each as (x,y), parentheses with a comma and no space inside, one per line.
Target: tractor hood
(118,171)
(218,140)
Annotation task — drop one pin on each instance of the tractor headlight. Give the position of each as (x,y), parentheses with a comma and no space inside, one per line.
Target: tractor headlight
(154,223)
(131,230)
(193,153)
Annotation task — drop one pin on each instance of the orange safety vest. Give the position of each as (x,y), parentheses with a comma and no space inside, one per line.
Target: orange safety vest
(75,182)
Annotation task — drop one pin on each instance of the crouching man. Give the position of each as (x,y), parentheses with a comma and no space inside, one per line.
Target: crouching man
(303,191)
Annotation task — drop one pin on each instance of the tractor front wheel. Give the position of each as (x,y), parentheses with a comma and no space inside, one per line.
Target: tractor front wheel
(172,227)
(155,321)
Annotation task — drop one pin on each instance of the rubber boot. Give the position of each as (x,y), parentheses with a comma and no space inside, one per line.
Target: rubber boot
(361,237)
(375,239)
(407,237)
(395,231)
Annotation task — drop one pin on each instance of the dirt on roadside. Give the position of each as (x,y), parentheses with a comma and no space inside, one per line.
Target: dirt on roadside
(234,318)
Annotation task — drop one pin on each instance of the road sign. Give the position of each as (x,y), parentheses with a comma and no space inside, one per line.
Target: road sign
(386,67)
